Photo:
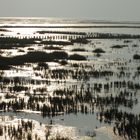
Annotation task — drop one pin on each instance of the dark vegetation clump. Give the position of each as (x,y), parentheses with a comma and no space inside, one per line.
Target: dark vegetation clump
(63,62)
(51,42)
(127,41)
(4,66)
(138,68)
(15,40)
(75,65)
(78,50)
(59,55)
(136,56)
(98,55)
(80,40)
(135,45)
(98,50)
(118,46)
(21,132)
(52,48)
(4,30)
(77,57)
(61,32)
(12,46)
(21,50)
(30,49)
(32,57)
(41,66)
(127,125)
(8,42)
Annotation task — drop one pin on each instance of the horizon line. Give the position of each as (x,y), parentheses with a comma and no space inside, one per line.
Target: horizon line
(81,19)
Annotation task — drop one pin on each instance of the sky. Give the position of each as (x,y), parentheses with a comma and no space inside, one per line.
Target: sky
(114,10)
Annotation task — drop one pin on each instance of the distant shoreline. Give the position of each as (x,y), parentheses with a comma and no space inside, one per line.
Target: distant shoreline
(70,20)
(65,26)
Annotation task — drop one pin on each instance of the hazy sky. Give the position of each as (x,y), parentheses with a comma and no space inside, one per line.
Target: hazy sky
(124,10)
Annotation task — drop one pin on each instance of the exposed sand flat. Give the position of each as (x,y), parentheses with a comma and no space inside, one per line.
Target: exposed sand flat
(74,82)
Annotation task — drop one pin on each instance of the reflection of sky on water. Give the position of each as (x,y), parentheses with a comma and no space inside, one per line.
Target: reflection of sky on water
(30,31)
(82,122)
(67,22)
